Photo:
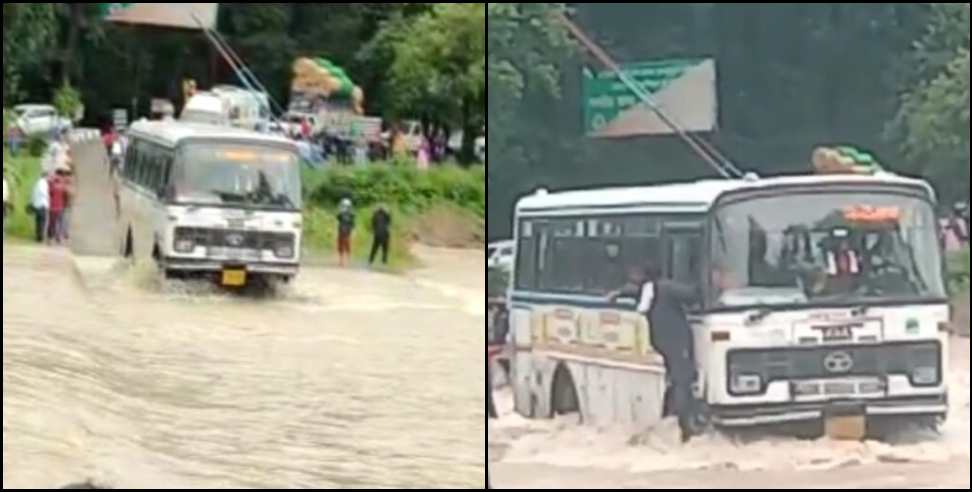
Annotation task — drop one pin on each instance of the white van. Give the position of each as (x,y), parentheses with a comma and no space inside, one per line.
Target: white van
(211,201)
(481,149)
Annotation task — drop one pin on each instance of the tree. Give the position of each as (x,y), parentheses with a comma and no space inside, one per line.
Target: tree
(439,70)
(28,31)
(526,48)
(932,125)
(529,53)
(790,77)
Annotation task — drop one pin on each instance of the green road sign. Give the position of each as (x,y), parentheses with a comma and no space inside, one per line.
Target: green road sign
(107,9)
(606,97)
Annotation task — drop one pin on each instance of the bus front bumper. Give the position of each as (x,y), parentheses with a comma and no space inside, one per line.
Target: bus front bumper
(216,266)
(755,415)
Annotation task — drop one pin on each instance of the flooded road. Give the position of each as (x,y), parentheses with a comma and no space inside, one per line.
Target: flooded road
(349,379)
(554,454)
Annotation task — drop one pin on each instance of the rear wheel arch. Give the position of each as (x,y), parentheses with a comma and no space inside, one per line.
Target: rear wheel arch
(564,398)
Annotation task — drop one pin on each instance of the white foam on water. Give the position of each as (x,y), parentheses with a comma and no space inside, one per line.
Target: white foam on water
(514,439)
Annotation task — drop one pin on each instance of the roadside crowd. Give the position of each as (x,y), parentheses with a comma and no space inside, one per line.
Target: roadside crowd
(51,196)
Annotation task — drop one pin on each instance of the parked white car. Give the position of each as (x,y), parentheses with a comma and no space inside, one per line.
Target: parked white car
(481,149)
(39,119)
(500,255)
(479,146)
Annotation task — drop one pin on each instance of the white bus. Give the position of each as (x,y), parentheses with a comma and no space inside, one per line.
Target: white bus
(823,296)
(213,201)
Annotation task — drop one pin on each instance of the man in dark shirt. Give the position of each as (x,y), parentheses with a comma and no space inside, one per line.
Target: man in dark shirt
(665,305)
(381,228)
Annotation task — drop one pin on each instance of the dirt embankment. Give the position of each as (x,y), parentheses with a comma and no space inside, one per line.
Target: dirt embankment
(449,227)
(960,305)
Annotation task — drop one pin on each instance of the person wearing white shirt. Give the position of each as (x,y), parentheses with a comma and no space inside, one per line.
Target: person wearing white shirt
(40,203)
(6,201)
(664,305)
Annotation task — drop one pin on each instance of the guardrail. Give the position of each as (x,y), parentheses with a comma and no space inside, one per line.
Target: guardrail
(83,135)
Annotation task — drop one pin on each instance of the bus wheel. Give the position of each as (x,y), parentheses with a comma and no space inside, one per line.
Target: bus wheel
(564,398)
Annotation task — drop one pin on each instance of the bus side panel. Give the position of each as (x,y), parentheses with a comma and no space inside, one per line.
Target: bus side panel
(127,217)
(144,226)
(159,222)
(610,395)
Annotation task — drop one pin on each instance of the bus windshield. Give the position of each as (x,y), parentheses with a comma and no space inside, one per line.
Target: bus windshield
(824,249)
(238,175)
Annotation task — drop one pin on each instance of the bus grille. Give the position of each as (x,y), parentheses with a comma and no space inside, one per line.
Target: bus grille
(831,362)
(252,240)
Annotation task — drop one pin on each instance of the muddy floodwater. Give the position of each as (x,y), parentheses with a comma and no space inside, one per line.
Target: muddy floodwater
(560,453)
(346,379)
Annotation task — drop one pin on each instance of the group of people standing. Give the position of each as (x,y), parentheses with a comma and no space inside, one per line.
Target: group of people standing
(381,222)
(50,204)
(955,227)
(53,194)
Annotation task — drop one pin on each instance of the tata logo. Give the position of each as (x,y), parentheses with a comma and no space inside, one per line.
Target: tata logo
(838,363)
(235,240)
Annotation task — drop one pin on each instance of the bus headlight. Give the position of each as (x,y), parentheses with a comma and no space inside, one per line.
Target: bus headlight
(184,245)
(745,384)
(924,376)
(284,250)
(924,362)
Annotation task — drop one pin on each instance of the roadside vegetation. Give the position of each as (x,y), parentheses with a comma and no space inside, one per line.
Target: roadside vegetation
(444,207)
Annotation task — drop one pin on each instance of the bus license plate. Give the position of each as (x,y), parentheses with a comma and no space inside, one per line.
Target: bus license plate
(234,278)
(234,254)
(838,333)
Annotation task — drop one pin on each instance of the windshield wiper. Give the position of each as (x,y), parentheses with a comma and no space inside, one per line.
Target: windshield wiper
(285,201)
(756,317)
(226,197)
(860,310)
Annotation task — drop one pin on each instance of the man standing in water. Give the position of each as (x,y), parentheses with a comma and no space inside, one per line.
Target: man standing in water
(345,220)
(664,304)
(490,406)
(381,228)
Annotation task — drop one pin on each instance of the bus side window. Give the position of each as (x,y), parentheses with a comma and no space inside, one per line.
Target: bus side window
(142,163)
(158,164)
(526,268)
(130,157)
(683,255)
(166,181)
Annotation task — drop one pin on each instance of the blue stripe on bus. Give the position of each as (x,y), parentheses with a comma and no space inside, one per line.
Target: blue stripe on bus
(549,300)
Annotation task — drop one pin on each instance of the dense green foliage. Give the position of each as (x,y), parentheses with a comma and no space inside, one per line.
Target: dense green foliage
(28,30)
(400,186)
(933,120)
(790,77)
(958,269)
(497,282)
(413,60)
(439,68)
(67,100)
(21,174)
(451,197)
